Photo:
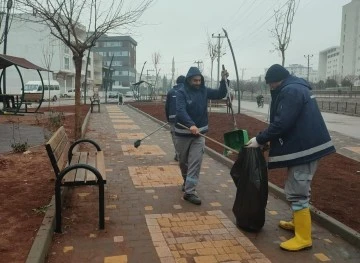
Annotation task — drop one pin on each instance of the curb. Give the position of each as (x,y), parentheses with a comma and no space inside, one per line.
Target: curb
(43,238)
(326,221)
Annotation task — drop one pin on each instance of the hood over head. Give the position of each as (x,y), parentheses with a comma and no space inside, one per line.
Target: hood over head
(194,71)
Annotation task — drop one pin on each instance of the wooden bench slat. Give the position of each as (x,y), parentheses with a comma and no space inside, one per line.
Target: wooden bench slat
(90,176)
(70,176)
(56,138)
(80,173)
(63,159)
(100,164)
(32,97)
(62,148)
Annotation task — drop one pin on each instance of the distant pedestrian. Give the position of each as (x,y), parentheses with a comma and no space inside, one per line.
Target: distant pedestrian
(298,139)
(170,108)
(191,111)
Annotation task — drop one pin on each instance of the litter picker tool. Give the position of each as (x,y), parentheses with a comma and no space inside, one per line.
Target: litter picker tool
(228,98)
(215,141)
(138,142)
(235,138)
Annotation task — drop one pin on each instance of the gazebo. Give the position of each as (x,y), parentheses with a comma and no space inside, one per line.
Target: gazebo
(19,99)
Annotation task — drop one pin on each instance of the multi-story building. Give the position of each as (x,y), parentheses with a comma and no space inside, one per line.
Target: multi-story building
(302,72)
(119,53)
(30,38)
(329,64)
(350,40)
(97,71)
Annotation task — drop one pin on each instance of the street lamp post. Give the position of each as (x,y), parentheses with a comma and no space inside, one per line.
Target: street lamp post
(6,30)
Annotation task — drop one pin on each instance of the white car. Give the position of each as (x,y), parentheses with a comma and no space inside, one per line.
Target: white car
(131,94)
(71,93)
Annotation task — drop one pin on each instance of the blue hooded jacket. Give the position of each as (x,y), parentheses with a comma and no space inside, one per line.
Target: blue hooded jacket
(191,104)
(170,104)
(297,131)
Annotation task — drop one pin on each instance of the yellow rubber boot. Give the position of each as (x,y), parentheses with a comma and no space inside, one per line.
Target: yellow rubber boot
(302,239)
(287,225)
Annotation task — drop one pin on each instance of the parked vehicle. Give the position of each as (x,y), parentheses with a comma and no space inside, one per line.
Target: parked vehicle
(52,93)
(113,95)
(71,93)
(131,94)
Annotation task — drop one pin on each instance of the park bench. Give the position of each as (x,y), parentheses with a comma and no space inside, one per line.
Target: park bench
(30,98)
(95,101)
(75,168)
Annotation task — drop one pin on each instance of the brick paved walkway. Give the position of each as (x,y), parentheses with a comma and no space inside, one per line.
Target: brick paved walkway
(148,221)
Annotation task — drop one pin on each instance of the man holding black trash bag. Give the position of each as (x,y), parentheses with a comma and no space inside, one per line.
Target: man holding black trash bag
(170,108)
(191,112)
(298,139)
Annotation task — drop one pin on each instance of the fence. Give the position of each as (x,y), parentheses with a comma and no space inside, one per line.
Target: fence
(337,93)
(348,103)
(341,107)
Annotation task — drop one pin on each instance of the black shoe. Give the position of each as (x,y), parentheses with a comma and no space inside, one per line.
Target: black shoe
(192,199)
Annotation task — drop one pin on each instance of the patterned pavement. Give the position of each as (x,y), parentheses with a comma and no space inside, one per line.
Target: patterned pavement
(148,221)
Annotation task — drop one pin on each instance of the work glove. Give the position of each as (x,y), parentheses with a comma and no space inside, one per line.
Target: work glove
(252,143)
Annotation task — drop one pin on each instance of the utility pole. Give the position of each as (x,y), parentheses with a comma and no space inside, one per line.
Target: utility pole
(218,54)
(147,86)
(242,73)
(198,63)
(308,64)
(6,32)
(172,72)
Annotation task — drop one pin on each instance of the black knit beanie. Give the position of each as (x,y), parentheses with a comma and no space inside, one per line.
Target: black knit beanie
(276,73)
(180,79)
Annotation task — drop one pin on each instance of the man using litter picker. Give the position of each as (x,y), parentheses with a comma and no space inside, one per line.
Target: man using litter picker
(170,108)
(191,121)
(298,139)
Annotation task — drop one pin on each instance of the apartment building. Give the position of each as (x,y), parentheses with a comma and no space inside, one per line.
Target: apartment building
(329,64)
(33,41)
(350,40)
(301,71)
(119,53)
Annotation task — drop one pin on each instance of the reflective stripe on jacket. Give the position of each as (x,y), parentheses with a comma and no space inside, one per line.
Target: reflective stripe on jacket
(297,132)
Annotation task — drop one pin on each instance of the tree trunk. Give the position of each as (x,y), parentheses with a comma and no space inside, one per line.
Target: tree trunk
(78,64)
(283,58)
(211,78)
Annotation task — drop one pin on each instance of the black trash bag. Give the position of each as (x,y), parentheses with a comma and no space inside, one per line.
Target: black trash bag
(249,173)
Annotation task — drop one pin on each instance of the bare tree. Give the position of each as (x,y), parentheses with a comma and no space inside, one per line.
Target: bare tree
(156,60)
(282,29)
(48,55)
(212,49)
(6,16)
(64,17)
(349,81)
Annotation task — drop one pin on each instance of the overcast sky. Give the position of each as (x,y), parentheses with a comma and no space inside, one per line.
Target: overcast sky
(179,29)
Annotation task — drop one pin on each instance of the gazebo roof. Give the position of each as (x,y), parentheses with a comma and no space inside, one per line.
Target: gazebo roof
(7,61)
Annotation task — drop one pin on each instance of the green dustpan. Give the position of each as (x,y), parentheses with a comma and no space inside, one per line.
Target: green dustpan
(235,139)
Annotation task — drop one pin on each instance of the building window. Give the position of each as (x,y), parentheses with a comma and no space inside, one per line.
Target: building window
(66,63)
(113,44)
(124,73)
